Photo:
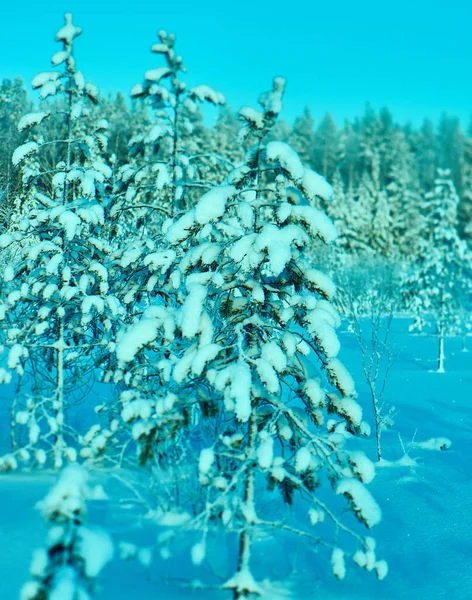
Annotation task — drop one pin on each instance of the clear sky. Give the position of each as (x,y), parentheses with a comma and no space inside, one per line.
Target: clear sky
(414,56)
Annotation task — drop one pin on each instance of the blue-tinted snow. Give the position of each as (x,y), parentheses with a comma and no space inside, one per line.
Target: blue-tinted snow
(425,535)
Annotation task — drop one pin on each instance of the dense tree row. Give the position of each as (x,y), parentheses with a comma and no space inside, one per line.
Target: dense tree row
(380,169)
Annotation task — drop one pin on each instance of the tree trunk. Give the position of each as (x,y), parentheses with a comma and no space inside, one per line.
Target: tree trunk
(14,405)
(441,332)
(377,427)
(464,343)
(244,554)
(175,146)
(59,407)
(441,352)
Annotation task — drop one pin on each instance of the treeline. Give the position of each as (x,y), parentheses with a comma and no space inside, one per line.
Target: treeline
(380,170)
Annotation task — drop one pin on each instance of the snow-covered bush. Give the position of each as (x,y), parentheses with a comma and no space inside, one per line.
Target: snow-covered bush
(75,554)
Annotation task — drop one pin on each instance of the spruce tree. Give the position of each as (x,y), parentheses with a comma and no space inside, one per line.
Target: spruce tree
(425,143)
(465,204)
(350,157)
(302,137)
(56,309)
(326,150)
(344,211)
(404,199)
(13,104)
(247,308)
(222,140)
(451,149)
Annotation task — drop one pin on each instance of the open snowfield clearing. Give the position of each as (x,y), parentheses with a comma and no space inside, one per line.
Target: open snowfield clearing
(425,534)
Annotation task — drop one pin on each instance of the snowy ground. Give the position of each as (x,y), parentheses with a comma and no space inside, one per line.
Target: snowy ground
(426,530)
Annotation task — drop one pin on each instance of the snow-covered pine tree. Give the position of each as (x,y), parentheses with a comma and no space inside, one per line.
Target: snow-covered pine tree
(346,214)
(404,198)
(441,276)
(171,161)
(75,554)
(350,156)
(273,304)
(222,139)
(326,149)
(379,238)
(426,146)
(302,137)
(250,308)
(465,205)
(13,103)
(355,216)
(56,310)
(164,157)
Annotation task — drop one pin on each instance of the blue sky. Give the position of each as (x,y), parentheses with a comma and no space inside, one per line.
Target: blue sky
(411,55)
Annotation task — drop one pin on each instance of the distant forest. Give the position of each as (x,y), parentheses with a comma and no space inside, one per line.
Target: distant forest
(380,170)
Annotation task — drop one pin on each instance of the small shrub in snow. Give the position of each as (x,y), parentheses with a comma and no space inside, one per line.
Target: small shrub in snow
(370,311)
(75,555)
